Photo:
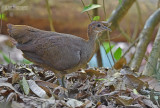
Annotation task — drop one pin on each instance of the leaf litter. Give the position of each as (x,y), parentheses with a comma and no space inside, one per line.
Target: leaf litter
(29,86)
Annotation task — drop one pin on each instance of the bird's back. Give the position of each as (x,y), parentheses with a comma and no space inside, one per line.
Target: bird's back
(55,50)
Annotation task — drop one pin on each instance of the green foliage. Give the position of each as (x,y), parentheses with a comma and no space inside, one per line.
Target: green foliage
(118,54)
(101,79)
(3,16)
(24,86)
(96,18)
(120,1)
(25,61)
(106,46)
(7,59)
(90,7)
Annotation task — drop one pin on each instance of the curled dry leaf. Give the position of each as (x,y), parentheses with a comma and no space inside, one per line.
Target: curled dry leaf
(12,96)
(37,90)
(9,86)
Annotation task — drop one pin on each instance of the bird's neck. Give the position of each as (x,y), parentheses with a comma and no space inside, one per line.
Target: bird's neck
(92,35)
(91,43)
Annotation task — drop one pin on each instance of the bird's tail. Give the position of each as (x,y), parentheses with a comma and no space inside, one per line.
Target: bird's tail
(21,33)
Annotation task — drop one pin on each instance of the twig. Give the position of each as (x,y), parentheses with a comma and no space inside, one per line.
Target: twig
(124,34)
(158,4)
(49,16)
(139,22)
(133,44)
(87,12)
(107,56)
(110,46)
(104,9)
(1,23)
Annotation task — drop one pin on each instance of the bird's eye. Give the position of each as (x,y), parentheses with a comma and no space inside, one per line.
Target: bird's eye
(98,25)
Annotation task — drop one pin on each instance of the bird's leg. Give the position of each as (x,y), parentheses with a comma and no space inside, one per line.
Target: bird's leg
(61,81)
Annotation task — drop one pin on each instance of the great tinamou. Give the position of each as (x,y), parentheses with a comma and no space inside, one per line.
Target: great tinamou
(59,52)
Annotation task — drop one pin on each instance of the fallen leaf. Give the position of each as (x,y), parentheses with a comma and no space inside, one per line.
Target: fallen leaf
(15,78)
(25,86)
(92,72)
(37,90)
(120,63)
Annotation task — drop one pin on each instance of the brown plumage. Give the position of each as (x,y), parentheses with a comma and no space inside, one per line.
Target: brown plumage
(61,53)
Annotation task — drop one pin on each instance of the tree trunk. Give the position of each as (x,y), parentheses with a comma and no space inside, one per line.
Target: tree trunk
(151,65)
(99,57)
(145,37)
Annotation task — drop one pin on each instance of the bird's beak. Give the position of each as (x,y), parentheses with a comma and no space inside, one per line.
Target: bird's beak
(106,28)
(106,25)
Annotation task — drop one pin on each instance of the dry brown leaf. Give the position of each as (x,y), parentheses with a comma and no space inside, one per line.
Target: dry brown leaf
(15,78)
(104,106)
(92,72)
(74,103)
(152,82)
(149,103)
(82,95)
(133,82)
(124,100)
(37,90)
(120,63)
(47,90)
(46,84)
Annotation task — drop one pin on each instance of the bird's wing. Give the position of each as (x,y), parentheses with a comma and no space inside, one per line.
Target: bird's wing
(59,53)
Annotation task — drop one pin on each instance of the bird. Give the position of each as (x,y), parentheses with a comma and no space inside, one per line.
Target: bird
(59,52)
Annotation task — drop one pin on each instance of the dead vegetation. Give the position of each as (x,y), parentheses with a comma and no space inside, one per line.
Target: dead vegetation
(29,86)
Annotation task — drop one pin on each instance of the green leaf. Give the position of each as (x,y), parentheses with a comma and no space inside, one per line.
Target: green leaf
(120,1)
(90,7)
(7,59)
(25,86)
(118,54)
(96,18)
(101,79)
(106,46)
(135,91)
(3,16)
(25,61)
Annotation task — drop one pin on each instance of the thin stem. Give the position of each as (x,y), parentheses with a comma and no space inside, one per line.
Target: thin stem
(104,9)
(107,56)
(158,4)
(1,23)
(124,34)
(49,16)
(139,21)
(110,46)
(87,12)
(133,44)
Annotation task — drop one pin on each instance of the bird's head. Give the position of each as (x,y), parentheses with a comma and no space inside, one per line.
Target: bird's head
(99,26)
